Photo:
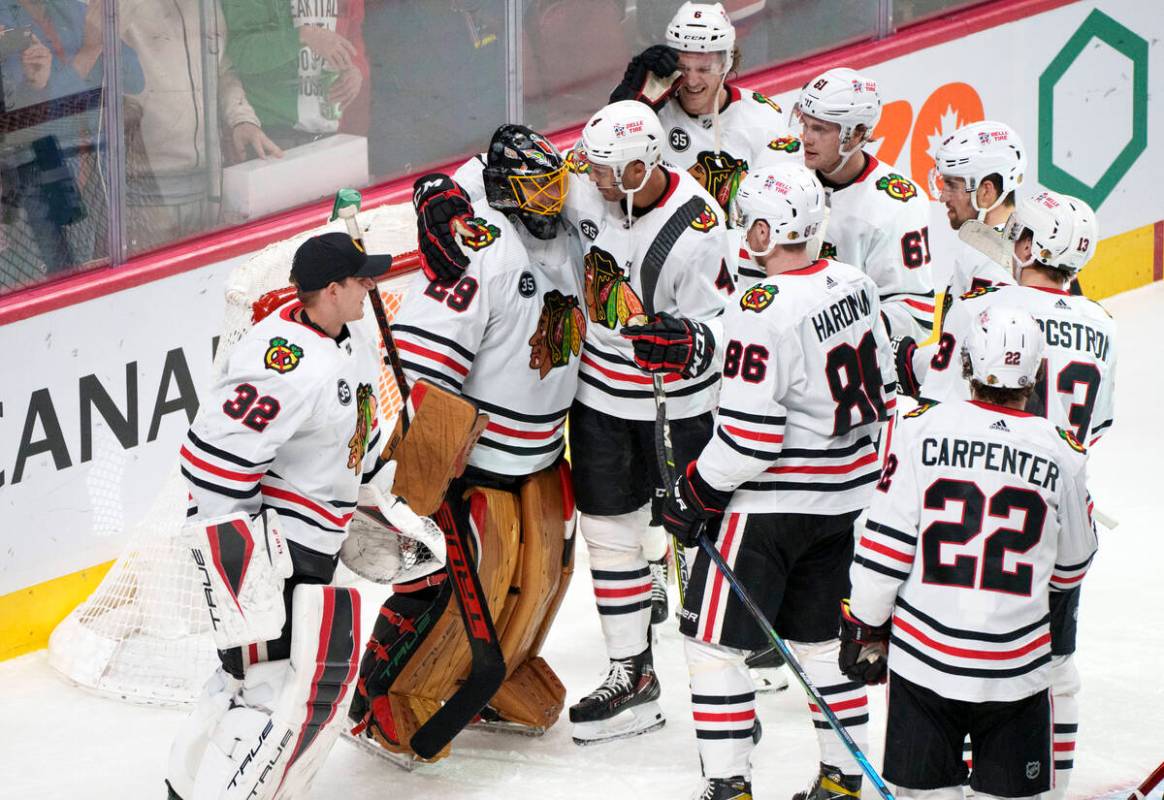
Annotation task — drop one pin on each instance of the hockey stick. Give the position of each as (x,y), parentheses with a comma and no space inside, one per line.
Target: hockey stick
(862,760)
(1150,783)
(665,454)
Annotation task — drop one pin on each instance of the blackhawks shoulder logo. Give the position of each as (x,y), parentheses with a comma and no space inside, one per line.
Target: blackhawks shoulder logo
(561,329)
(610,300)
(720,174)
(921,409)
(979,292)
(763,98)
(785,144)
(1071,439)
(705,221)
(481,234)
(758,297)
(577,162)
(365,421)
(282,356)
(897,186)
(828,250)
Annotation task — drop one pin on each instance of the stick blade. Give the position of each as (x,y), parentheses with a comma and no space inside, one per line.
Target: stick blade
(986,240)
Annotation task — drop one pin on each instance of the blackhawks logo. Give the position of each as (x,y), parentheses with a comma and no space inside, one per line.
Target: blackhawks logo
(921,409)
(720,174)
(758,297)
(828,250)
(610,300)
(785,144)
(979,292)
(763,98)
(705,221)
(481,234)
(1072,440)
(897,186)
(365,419)
(577,162)
(282,356)
(561,329)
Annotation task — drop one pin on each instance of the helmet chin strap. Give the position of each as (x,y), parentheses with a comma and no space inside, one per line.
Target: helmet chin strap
(629,194)
(1017,266)
(772,243)
(845,156)
(982,212)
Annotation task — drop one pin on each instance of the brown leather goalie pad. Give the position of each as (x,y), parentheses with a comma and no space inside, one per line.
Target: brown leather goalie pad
(433,672)
(443,427)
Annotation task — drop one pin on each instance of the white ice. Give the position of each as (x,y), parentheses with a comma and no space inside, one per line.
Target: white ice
(61,742)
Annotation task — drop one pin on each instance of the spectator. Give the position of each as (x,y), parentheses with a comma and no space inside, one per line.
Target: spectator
(167,140)
(300,70)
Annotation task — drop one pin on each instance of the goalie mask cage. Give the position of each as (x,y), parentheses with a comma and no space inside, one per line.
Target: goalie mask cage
(144,633)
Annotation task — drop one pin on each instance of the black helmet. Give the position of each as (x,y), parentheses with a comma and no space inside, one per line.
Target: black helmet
(525,176)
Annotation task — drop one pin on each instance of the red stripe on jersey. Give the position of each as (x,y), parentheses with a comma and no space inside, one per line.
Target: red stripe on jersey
(1076,579)
(246,477)
(291,497)
(885,551)
(724,547)
(836,469)
(628,591)
(920,306)
(843,705)
(724,716)
(433,355)
(1064,747)
(493,426)
(964,652)
(775,438)
(640,378)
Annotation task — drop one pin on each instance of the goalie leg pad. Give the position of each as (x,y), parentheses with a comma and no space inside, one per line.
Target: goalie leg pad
(242,563)
(285,719)
(189,746)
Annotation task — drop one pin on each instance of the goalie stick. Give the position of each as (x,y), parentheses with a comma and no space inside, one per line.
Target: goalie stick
(1150,783)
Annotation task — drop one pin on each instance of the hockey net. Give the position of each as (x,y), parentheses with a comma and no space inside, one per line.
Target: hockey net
(144,634)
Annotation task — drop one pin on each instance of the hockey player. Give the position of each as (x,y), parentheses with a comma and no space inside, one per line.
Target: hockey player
(807,383)
(715,130)
(1054,236)
(506,333)
(273,463)
(878,221)
(981,509)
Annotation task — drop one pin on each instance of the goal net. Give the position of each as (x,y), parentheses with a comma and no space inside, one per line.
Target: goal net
(144,634)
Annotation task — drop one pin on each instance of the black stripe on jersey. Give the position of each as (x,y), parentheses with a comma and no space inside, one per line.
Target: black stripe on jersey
(605,356)
(1101,427)
(432,337)
(412,366)
(875,566)
(748,272)
(766,455)
(840,452)
(501,411)
(970,672)
(652,264)
(848,722)
(606,388)
(224,455)
(551,447)
(840,688)
(923,323)
(793,486)
(894,295)
(1066,727)
(1073,567)
(722,699)
(892,533)
(237,494)
(191,512)
(979,636)
(759,419)
(627,609)
(1066,764)
(287,512)
(731,733)
(619,575)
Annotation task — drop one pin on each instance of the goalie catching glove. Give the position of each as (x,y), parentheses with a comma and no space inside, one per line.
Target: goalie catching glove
(440,203)
(690,504)
(864,654)
(650,77)
(672,345)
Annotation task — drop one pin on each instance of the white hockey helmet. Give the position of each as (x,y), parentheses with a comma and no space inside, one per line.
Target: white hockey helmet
(623,132)
(701,28)
(977,151)
(788,197)
(1063,231)
(843,96)
(1004,348)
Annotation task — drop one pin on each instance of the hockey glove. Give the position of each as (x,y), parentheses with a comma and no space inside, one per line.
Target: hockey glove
(439,204)
(650,77)
(672,344)
(691,503)
(864,648)
(903,349)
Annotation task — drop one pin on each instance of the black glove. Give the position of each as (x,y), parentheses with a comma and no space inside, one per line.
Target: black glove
(864,648)
(650,77)
(672,344)
(439,202)
(903,349)
(690,504)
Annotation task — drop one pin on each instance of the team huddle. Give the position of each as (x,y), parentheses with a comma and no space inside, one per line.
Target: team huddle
(722,307)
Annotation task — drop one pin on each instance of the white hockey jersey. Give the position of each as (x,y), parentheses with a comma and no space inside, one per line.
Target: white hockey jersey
(753,131)
(293,424)
(973,269)
(669,260)
(507,335)
(807,382)
(979,510)
(1077,391)
(880,223)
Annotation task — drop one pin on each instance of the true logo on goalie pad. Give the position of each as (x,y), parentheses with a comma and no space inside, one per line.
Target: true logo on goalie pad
(282,356)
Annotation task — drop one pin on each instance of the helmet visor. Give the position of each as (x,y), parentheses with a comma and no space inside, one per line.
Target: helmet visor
(543,194)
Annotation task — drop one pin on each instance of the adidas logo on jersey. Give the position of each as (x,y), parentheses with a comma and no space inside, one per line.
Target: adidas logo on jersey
(1000,425)
(1062,304)
(829,282)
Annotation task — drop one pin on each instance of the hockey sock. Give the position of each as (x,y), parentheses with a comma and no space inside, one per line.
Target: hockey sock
(622,580)
(723,704)
(847,699)
(1065,720)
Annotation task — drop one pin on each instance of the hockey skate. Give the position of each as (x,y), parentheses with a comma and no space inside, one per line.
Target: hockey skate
(767,670)
(735,788)
(658,590)
(832,784)
(624,705)
(491,721)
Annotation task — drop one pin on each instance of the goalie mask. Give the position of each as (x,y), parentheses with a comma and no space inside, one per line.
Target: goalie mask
(974,153)
(788,198)
(1062,230)
(525,177)
(844,97)
(1004,348)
